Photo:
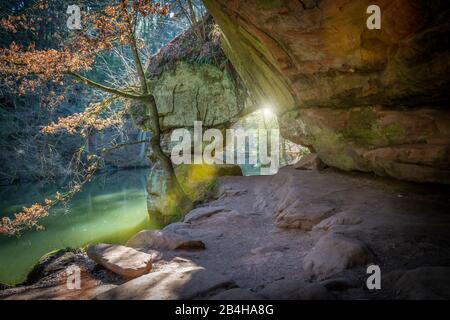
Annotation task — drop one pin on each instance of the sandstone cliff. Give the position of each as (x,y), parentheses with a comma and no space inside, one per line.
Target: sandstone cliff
(193,80)
(369,100)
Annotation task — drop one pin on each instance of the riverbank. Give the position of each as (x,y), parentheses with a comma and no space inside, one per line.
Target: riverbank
(301,234)
(111,208)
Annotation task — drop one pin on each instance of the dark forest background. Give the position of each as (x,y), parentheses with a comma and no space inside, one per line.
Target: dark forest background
(26,154)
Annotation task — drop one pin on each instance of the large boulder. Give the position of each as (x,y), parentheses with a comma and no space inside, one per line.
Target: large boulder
(164,203)
(197,181)
(49,264)
(124,261)
(192,81)
(369,100)
(410,144)
(334,253)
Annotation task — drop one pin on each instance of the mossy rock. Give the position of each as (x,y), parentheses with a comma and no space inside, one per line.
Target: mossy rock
(198,181)
(164,203)
(4,286)
(50,263)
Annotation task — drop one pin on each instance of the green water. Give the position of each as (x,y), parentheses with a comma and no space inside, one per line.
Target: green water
(109,209)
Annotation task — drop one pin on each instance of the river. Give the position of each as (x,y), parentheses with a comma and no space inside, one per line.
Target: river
(110,209)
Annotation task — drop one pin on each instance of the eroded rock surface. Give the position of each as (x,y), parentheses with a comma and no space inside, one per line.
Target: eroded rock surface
(178,280)
(369,100)
(124,261)
(165,240)
(303,215)
(193,81)
(203,212)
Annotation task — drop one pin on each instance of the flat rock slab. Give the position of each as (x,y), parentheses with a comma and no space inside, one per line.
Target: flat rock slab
(179,279)
(426,283)
(334,253)
(301,215)
(164,240)
(203,212)
(124,261)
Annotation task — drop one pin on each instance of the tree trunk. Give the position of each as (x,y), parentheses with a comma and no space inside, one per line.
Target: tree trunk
(155,140)
(176,197)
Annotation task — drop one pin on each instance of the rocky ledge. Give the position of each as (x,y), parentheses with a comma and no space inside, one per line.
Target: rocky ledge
(301,234)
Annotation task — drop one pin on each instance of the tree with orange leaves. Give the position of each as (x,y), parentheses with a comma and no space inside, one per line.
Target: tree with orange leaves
(25,68)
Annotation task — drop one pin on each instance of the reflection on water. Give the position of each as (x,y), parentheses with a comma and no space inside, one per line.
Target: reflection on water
(110,209)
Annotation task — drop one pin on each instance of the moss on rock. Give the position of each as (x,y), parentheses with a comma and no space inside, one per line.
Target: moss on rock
(198,181)
(364,127)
